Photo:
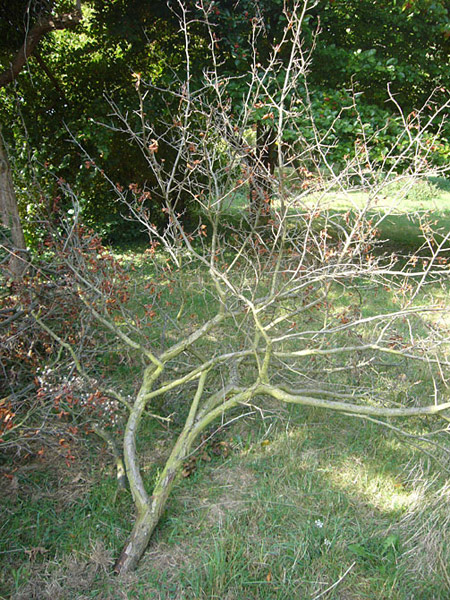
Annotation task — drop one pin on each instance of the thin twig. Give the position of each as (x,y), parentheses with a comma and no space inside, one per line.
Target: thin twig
(336,583)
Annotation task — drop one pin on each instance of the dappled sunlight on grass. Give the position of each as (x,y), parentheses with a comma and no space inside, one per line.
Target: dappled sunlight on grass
(382,490)
(397,211)
(299,500)
(318,501)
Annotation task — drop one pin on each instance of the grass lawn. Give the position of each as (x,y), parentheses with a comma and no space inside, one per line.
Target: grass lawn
(286,503)
(396,211)
(302,499)
(400,207)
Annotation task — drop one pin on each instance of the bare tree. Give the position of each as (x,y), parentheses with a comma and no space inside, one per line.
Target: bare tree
(284,298)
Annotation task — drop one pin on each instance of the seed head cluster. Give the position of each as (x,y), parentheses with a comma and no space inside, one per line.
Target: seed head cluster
(75,396)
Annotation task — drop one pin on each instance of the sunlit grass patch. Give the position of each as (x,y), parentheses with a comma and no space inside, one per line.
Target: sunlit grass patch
(382,489)
(396,211)
(315,506)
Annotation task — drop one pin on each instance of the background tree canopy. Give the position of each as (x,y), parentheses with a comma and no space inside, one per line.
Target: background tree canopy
(360,47)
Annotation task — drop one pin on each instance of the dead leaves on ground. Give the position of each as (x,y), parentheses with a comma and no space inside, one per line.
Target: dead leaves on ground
(33,552)
(208,449)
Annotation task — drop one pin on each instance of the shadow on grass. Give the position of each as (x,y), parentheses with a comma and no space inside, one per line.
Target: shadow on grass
(441,183)
(319,497)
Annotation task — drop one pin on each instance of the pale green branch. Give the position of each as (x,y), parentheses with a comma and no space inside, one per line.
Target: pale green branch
(77,363)
(357,409)
(123,336)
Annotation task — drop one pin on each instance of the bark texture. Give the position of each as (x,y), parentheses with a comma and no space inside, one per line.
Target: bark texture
(10,217)
(148,519)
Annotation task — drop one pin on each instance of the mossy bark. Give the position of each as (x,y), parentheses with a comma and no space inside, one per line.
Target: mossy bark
(149,516)
(150,509)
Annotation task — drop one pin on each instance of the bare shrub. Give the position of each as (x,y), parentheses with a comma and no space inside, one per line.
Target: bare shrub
(283,295)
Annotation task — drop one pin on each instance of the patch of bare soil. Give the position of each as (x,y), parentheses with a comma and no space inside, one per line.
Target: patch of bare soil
(226,491)
(162,557)
(70,577)
(66,480)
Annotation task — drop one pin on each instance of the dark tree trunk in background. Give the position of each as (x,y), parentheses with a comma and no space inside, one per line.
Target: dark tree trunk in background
(263,167)
(10,218)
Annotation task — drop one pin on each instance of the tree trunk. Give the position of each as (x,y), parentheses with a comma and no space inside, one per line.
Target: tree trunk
(10,217)
(34,36)
(137,542)
(263,167)
(149,510)
(149,517)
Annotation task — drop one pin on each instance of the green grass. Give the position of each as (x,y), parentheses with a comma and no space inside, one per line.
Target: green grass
(254,528)
(397,211)
(296,504)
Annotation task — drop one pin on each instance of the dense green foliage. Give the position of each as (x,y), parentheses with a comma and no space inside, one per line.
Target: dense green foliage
(59,122)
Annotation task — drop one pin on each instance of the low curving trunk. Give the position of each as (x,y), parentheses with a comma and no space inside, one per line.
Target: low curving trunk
(149,516)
